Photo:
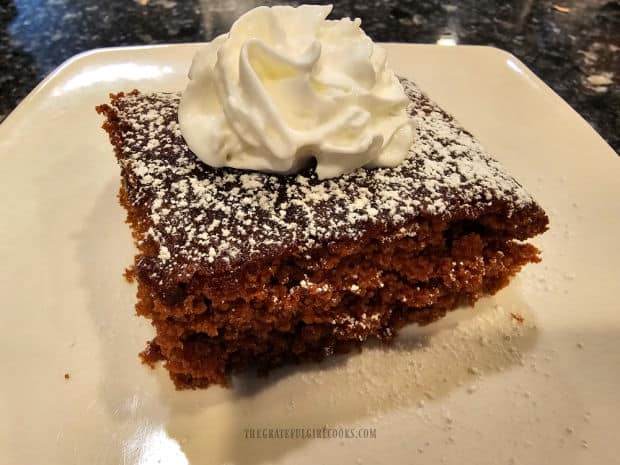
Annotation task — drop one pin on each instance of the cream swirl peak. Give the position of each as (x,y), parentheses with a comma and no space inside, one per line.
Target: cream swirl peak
(284,86)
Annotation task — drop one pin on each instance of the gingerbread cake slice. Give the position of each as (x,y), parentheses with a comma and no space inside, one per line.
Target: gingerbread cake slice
(240,269)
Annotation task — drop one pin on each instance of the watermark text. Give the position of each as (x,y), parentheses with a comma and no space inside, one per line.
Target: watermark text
(325,432)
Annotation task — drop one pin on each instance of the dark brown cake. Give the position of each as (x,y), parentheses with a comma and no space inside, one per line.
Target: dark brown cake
(242,269)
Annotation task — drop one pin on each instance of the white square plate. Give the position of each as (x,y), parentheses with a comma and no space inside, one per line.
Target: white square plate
(479,387)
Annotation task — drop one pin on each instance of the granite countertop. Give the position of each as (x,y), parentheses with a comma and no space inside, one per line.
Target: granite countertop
(573,45)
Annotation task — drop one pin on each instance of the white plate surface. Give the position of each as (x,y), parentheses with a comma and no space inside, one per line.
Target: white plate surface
(477,388)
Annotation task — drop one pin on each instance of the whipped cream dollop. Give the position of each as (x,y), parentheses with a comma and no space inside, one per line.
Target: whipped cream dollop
(284,86)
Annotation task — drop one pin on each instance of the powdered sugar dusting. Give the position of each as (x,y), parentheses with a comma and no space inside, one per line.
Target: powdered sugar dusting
(223,217)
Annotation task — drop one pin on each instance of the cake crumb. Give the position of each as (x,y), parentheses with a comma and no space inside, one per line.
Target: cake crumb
(517,317)
(130,274)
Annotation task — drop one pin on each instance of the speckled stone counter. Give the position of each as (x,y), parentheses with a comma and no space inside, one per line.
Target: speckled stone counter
(574,45)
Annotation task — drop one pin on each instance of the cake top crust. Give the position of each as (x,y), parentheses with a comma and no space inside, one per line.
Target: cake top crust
(214,220)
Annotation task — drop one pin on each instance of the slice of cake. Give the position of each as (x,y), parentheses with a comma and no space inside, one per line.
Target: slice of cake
(242,269)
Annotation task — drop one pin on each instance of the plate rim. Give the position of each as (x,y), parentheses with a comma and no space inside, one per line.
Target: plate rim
(78,58)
